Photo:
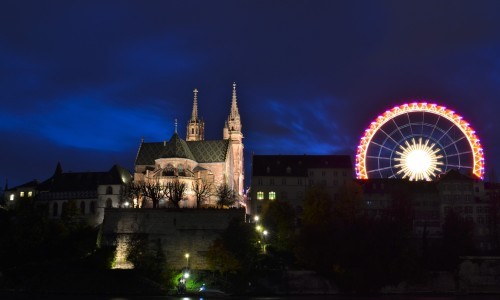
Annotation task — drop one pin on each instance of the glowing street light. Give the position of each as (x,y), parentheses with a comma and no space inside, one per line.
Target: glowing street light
(265,232)
(187,259)
(256,218)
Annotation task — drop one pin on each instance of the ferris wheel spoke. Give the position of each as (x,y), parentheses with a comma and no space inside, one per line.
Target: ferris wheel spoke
(409,123)
(378,157)
(399,129)
(379,169)
(382,146)
(454,142)
(446,133)
(459,153)
(435,125)
(460,166)
(388,135)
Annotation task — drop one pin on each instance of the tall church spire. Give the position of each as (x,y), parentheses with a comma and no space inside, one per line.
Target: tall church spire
(232,132)
(196,126)
(234,105)
(232,128)
(194,114)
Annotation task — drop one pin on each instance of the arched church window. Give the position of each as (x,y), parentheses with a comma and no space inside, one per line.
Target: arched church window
(181,171)
(109,203)
(55,210)
(82,207)
(192,130)
(109,190)
(169,170)
(92,207)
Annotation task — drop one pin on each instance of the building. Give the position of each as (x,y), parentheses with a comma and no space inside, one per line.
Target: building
(286,177)
(214,162)
(469,198)
(88,192)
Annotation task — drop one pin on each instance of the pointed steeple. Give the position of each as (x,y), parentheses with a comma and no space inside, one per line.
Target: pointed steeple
(194,114)
(58,170)
(232,127)
(234,105)
(196,126)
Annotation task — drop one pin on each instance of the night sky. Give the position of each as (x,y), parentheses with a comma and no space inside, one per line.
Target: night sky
(82,81)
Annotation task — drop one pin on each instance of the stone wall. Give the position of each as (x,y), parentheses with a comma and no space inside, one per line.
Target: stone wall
(180,231)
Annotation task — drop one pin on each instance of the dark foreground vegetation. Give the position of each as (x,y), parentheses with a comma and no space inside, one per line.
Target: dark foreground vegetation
(338,240)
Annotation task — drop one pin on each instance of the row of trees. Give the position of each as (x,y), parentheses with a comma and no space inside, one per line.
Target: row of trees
(340,239)
(174,191)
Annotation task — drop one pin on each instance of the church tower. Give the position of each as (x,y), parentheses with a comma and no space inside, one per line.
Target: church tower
(232,132)
(196,126)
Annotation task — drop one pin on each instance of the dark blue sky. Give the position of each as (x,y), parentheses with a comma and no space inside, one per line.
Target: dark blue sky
(82,81)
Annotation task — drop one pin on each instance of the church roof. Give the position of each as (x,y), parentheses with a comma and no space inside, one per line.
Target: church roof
(176,147)
(209,151)
(79,181)
(199,151)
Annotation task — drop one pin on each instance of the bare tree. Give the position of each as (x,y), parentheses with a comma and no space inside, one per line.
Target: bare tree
(202,190)
(225,195)
(154,191)
(132,190)
(174,191)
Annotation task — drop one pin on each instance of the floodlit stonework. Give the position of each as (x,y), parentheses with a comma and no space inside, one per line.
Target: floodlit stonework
(178,232)
(214,162)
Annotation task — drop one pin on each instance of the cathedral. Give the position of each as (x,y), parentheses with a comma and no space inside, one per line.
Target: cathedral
(195,160)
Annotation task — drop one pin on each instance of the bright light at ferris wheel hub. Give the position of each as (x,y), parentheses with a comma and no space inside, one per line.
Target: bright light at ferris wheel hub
(418,161)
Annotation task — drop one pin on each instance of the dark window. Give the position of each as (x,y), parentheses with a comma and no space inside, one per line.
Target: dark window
(55,209)
(109,203)
(109,190)
(82,207)
(92,207)
(169,170)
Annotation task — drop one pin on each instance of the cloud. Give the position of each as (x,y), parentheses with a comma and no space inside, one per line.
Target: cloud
(88,122)
(300,127)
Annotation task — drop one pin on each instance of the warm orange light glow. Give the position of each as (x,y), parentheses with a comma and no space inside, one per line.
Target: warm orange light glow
(457,120)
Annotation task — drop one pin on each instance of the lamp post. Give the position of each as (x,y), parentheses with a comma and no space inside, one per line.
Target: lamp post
(187,260)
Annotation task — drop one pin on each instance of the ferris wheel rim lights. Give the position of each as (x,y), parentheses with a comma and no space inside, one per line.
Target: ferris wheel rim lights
(457,120)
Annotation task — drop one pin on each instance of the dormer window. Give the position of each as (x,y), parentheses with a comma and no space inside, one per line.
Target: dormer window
(21,194)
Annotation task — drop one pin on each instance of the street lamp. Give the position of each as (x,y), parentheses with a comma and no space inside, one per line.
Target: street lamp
(187,259)
(256,218)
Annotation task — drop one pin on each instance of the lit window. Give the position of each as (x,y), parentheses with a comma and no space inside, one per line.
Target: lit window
(11,197)
(30,194)
(260,195)
(22,194)
(272,195)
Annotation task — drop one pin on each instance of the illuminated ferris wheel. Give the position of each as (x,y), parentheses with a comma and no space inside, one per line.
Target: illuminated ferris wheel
(418,141)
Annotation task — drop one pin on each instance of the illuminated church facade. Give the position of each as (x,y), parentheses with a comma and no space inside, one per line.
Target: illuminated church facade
(213,162)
